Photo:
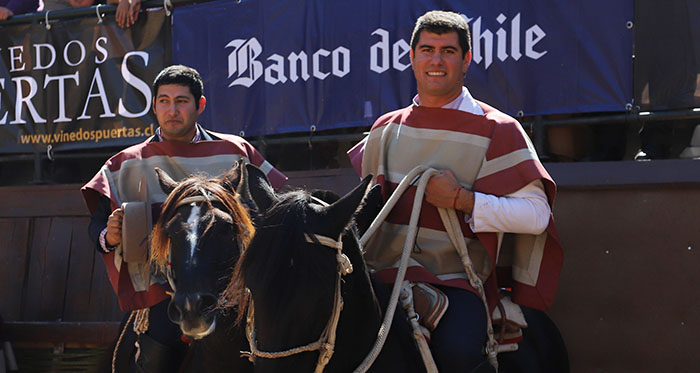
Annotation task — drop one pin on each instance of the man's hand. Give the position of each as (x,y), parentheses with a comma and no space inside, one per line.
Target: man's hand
(127,12)
(443,188)
(5,13)
(113,237)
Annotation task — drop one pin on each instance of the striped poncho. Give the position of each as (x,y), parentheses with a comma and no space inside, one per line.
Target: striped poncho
(136,287)
(488,154)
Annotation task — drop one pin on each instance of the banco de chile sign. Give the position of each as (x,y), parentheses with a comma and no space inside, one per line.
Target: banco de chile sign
(246,63)
(282,66)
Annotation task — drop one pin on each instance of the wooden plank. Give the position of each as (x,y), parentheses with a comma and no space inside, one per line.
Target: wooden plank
(340,180)
(102,294)
(625,173)
(42,200)
(626,297)
(14,234)
(83,334)
(45,288)
(89,296)
(77,301)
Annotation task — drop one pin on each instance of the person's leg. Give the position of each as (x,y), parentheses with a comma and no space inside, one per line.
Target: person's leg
(160,348)
(459,340)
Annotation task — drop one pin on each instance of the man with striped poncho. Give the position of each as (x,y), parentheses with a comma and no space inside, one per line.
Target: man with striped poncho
(489,173)
(181,147)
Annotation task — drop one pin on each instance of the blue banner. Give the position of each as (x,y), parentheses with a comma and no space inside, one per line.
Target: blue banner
(280,66)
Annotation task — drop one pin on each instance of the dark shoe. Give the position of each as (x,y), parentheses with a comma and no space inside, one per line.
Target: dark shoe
(155,357)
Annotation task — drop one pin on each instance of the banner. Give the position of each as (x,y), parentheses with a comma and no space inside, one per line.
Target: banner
(80,84)
(280,66)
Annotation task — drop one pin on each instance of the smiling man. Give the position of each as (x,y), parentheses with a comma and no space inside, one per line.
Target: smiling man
(181,147)
(490,174)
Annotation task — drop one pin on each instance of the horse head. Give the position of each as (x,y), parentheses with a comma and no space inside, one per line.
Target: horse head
(196,242)
(293,273)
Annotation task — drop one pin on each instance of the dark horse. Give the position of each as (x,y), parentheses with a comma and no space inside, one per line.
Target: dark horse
(291,284)
(196,243)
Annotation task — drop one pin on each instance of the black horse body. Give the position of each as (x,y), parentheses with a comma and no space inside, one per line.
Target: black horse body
(291,283)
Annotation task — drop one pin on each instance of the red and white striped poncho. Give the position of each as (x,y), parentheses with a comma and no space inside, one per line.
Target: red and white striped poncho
(119,178)
(487,153)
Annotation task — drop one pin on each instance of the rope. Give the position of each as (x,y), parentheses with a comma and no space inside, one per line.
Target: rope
(451,223)
(141,322)
(425,174)
(407,303)
(326,342)
(119,341)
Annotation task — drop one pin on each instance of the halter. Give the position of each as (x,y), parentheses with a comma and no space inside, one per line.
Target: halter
(326,342)
(204,197)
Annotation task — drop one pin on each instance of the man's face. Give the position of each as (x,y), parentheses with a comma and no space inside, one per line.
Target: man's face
(439,67)
(176,112)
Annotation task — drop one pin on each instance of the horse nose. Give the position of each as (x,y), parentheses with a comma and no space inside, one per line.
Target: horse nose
(175,310)
(190,304)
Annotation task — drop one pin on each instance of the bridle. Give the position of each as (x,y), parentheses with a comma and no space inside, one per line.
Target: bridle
(203,197)
(326,342)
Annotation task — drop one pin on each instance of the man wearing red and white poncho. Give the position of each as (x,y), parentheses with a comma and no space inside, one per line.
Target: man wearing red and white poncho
(490,174)
(181,147)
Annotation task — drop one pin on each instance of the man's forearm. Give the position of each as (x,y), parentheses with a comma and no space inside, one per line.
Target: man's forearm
(524,211)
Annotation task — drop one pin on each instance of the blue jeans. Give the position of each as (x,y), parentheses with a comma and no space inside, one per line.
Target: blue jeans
(459,340)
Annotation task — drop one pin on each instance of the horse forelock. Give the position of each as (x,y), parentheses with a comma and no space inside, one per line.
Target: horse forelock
(190,187)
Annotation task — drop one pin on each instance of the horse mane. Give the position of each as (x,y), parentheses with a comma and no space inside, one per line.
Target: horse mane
(193,186)
(277,252)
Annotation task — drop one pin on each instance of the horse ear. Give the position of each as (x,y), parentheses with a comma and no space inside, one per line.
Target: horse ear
(341,211)
(259,188)
(233,178)
(167,184)
(236,181)
(369,209)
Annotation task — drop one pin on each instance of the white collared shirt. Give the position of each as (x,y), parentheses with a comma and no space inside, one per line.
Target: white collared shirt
(523,211)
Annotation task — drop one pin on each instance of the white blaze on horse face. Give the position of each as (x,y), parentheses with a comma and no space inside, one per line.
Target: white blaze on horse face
(192,222)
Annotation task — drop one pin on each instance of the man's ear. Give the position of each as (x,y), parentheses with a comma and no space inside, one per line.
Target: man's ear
(202,104)
(466,62)
(410,55)
(154,105)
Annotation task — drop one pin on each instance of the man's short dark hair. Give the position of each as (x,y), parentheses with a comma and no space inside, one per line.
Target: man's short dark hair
(181,75)
(441,22)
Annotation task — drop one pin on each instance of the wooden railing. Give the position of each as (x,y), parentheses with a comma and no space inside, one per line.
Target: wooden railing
(53,286)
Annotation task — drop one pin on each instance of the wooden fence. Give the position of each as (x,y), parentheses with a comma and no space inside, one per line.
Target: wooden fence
(626,303)
(53,285)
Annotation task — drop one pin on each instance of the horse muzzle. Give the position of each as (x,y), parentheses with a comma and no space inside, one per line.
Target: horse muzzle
(194,313)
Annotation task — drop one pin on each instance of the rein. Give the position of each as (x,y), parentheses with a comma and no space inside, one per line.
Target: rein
(451,223)
(326,342)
